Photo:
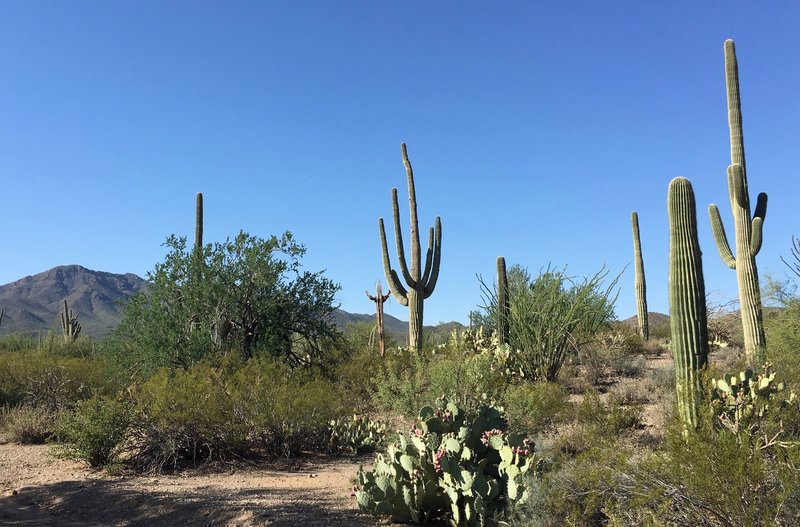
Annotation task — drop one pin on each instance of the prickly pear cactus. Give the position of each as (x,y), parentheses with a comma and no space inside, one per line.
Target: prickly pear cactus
(740,398)
(448,467)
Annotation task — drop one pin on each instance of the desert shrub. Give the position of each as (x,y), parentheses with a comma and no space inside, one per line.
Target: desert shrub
(357,375)
(288,410)
(27,424)
(640,392)
(465,469)
(192,413)
(48,380)
(403,381)
(95,430)
(536,407)
(550,316)
(619,352)
(783,340)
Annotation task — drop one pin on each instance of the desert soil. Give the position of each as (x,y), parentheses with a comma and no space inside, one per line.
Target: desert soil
(37,489)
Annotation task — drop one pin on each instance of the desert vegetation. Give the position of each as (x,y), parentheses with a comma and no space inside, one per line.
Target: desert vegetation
(546,411)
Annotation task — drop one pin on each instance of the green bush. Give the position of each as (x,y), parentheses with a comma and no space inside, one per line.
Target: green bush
(49,380)
(467,470)
(95,430)
(536,407)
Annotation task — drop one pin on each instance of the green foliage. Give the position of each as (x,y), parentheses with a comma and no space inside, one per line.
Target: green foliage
(551,316)
(95,430)
(51,381)
(245,294)
(536,407)
(451,466)
(469,367)
(783,330)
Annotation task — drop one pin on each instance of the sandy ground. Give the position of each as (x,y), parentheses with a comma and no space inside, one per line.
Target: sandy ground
(37,489)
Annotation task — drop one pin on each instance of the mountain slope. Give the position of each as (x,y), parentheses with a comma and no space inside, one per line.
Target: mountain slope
(32,304)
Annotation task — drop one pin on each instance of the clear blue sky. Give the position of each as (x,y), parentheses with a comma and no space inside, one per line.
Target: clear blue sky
(534,128)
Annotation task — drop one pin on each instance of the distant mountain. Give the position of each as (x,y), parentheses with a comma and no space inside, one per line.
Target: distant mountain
(654,319)
(32,304)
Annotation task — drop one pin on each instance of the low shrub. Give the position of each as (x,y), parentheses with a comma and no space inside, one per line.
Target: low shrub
(95,430)
(536,407)
(27,424)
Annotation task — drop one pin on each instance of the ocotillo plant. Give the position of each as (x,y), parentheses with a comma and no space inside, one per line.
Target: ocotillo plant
(687,299)
(420,282)
(69,324)
(379,299)
(198,222)
(748,230)
(503,304)
(638,280)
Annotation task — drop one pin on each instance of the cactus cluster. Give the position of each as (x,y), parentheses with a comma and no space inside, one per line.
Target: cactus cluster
(748,229)
(739,398)
(420,282)
(356,434)
(687,299)
(448,467)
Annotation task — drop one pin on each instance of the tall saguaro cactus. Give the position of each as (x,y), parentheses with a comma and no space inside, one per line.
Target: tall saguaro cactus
(503,304)
(748,230)
(198,222)
(638,280)
(379,299)
(420,282)
(687,299)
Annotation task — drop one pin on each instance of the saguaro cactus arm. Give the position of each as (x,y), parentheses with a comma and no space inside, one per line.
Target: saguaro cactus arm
(395,286)
(720,239)
(433,258)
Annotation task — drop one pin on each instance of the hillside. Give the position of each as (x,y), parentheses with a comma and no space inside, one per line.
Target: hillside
(32,304)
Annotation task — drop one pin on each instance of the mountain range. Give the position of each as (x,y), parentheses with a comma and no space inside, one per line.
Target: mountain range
(32,305)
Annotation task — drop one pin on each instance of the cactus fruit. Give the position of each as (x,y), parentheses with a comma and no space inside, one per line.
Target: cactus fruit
(503,304)
(687,299)
(638,280)
(379,299)
(69,324)
(748,230)
(420,285)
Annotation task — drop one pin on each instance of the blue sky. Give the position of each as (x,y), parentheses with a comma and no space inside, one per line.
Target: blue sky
(534,130)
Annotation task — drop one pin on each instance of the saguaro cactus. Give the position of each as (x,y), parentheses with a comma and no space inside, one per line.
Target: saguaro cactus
(420,282)
(503,305)
(638,280)
(69,324)
(687,299)
(198,222)
(379,299)
(748,230)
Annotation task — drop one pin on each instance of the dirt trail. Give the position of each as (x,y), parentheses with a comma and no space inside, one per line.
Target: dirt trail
(37,489)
